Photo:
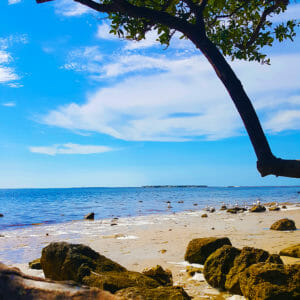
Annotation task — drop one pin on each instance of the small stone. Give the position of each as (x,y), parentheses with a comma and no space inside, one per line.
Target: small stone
(195,204)
(35,264)
(204,216)
(90,216)
(293,251)
(1,215)
(283,207)
(223,207)
(162,251)
(258,208)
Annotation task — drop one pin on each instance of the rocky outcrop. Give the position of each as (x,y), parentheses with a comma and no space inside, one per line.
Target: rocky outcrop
(18,286)
(160,293)
(293,251)
(163,277)
(257,208)
(35,264)
(63,261)
(218,265)
(266,281)
(198,250)
(90,216)
(246,258)
(284,224)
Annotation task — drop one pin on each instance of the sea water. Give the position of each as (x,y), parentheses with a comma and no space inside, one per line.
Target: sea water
(27,207)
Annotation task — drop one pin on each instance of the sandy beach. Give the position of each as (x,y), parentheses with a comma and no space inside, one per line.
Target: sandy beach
(141,242)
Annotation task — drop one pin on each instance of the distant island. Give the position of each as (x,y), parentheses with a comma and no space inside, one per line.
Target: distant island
(174,186)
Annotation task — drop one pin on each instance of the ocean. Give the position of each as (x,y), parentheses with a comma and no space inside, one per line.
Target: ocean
(28,207)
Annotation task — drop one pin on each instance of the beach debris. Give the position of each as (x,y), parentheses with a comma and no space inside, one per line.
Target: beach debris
(258,208)
(192,270)
(164,277)
(90,216)
(218,264)
(79,263)
(271,281)
(223,207)
(292,251)
(198,250)
(204,216)
(1,215)
(274,208)
(35,264)
(16,285)
(162,251)
(246,258)
(284,224)
(169,292)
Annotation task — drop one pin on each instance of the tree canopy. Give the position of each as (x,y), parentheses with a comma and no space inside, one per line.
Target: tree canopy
(238,29)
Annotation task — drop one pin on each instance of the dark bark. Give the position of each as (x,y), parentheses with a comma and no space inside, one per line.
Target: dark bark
(267,163)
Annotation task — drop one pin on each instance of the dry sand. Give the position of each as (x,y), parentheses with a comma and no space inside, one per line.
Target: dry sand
(142,242)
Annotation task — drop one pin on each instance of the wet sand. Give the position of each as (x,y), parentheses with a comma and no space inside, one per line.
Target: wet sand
(142,242)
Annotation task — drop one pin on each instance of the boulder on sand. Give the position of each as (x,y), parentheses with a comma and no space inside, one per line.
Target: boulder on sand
(77,262)
(160,293)
(218,265)
(204,216)
(247,257)
(293,251)
(164,277)
(257,208)
(198,250)
(90,216)
(266,281)
(284,224)
(274,208)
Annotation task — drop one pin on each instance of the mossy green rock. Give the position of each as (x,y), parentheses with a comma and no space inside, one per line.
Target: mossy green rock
(160,293)
(274,208)
(258,208)
(63,261)
(266,281)
(284,224)
(114,281)
(247,257)
(35,264)
(218,265)
(163,277)
(293,251)
(198,250)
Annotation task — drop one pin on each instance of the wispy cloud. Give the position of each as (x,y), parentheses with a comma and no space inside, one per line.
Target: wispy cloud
(182,99)
(70,148)
(13,1)
(69,8)
(9,104)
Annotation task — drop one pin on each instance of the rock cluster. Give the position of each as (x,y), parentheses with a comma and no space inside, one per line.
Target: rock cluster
(79,263)
(257,208)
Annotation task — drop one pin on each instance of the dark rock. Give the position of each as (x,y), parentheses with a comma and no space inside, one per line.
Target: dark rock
(160,293)
(218,265)
(77,262)
(257,208)
(247,257)
(212,209)
(283,207)
(180,201)
(266,281)
(284,224)
(293,251)
(163,277)
(1,215)
(90,216)
(232,210)
(195,204)
(15,285)
(204,216)
(223,207)
(198,250)
(35,264)
(274,208)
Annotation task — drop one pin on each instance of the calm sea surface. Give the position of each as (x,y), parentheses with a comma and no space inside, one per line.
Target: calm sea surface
(24,207)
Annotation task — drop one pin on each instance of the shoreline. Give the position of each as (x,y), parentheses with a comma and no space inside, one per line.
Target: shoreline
(145,241)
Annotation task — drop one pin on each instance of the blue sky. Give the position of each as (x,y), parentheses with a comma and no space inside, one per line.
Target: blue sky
(79,107)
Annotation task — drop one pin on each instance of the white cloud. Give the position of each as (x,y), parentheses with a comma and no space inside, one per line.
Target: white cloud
(70,148)
(13,1)
(103,32)
(182,99)
(69,8)
(292,12)
(9,104)
(84,59)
